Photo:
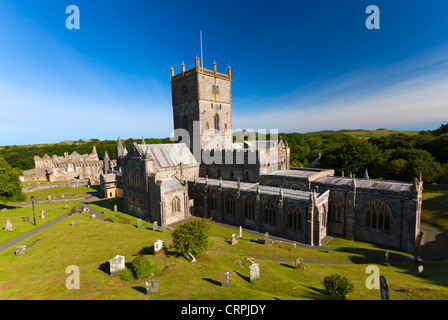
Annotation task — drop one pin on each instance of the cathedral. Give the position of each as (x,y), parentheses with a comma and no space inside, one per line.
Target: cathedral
(208,173)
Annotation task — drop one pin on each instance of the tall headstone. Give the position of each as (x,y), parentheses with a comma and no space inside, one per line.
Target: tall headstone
(155,226)
(240,235)
(254,271)
(158,245)
(226,279)
(8,225)
(384,287)
(139,223)
(420,270)
(152,286)
(299,263)
(266,238)
(42,211)
(66,206)
(20,250)
(117,264)
(49,197)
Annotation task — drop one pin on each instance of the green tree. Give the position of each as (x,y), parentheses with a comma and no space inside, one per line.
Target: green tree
(10,187)
(191,236)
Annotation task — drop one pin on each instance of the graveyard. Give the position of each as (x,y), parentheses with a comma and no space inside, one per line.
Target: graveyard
(249,267)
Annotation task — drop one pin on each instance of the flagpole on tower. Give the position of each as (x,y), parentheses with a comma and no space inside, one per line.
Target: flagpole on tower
(202,60)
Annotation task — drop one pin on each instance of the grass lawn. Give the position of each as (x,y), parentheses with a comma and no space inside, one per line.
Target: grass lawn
(40,273)
(433,214)
(58,191)
(52,211)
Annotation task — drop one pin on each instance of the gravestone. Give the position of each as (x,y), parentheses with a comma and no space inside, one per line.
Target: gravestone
(49,197)
(250,260)
(254,270)
(159,245)
(226,279)
(189,257)
(4,210)
(86,209)
(266,238)
(420,270)
(387,256)
(234,240)
(238,262)
(8,225)
(240,235)
(42,211)
(104,210)
(66,206)
(115,208)
(164,228)
(73,223)
(152,286)
(155,226)
(116,264)
(124,220)
(139,223)
(299,263)
(92,215)
(63,196)
(20,250)
(384,287)
(26,219)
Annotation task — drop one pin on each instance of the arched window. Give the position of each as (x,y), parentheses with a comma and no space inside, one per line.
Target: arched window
(175,204)
(295,187)
(137,178)
(201,197)
(216,121)
(378,215)
(230,204)
(249,208)
(335,213)
(294,220)
(272,183)
(269,212)
(185,122)
(214,203)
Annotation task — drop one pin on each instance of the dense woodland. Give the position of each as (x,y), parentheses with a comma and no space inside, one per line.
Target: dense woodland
(389,157)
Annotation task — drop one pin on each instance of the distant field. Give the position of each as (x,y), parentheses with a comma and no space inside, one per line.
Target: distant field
(361,133)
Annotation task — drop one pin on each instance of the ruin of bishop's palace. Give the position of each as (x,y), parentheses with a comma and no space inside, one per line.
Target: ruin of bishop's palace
(248,183)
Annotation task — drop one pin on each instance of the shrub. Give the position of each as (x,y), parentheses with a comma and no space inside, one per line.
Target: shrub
(191,236)
(338,286)
(142,267)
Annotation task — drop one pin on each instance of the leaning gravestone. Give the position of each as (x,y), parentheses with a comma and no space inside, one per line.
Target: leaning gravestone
(20,250)
(190,257)
(226,279)
(234,240)
(254,270)
(8,225)
(116,264)
(139,223)
(152,286)
(240,235)
(155,226)
(158,245)
(384,287)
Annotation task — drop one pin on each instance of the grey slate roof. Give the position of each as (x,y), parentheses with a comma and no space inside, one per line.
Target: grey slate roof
(168,155)
(394,186)
(171,184)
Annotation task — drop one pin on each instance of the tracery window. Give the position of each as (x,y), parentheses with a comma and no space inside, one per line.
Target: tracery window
(214,203)
(269,211)
(175,204)
(201,197)
(378,215)
(249,208)
(294,219)
(335,213)
(230,204)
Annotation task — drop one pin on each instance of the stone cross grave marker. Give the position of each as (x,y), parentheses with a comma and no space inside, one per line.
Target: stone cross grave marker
(116,264)
(384,287)
(115,208)
(254,270)
(159,245)
(155,226)
(20,250)
(8,225)
(139,223)
(152,286)
(226,279)
(266,238)
(234,239)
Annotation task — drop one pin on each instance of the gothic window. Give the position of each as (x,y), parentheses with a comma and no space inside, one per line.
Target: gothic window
(217,93)
(230,204)
(175,204)
(335,213)
(271,184)
(214,203)
(139,200)
(249,208)
(295,187)
(185,122)
(216,121)
(184,94)
(201,197)
(269,212)
(294,220)
(137,179)
(378,215)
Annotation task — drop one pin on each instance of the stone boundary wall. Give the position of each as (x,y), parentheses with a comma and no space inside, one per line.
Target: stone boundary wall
(47,185)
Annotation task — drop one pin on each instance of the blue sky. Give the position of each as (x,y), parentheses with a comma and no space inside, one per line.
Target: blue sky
(297,66)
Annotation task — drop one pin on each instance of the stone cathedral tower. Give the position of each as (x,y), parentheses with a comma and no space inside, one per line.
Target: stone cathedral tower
(202,105)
